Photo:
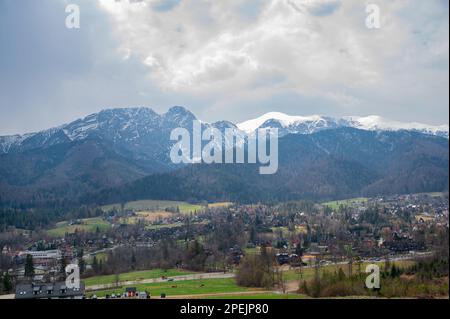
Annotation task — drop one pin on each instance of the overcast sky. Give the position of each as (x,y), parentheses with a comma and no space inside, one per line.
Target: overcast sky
(233,59)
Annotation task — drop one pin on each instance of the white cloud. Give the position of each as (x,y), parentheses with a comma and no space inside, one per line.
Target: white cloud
(310,47)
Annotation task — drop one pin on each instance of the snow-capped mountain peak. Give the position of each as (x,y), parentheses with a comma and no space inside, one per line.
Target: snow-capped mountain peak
(284,119)
(378,123)
(288,124)
(150,130)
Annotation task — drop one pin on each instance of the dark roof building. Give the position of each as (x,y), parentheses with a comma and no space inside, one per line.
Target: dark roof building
(57,290)
(131,291)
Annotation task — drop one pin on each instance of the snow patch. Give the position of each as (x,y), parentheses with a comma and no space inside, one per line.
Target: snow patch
(314,123)
(284,119)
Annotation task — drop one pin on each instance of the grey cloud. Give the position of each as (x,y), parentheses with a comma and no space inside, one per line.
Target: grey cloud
(233,60)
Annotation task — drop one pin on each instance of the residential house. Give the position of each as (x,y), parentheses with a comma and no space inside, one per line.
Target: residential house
(57,290)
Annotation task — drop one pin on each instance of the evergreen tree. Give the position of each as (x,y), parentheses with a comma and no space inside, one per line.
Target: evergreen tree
(81,262)
(6,282)
(63,268)
(29,266)
(341,275)
(95,265)
(100,266)
(133,261)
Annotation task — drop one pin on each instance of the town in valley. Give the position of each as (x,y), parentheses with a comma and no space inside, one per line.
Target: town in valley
(290,250)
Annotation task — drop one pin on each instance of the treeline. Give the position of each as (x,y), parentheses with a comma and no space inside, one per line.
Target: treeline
(190,256)
(330,164)
(426,278)
(32,219)
(212,247)
(6,282)
(257,270)
(197,183)
(428,269)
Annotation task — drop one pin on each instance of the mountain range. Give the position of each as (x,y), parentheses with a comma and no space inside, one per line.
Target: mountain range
(123,154)
(311,124)
(130,127)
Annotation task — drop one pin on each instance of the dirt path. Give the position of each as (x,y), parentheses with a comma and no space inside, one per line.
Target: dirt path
(292,286)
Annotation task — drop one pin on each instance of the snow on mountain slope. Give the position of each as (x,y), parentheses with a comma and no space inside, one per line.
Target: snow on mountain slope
(144,130)
(7,141)
(284,119)
(126,126)
(139,130)
(378,123)
(288,124)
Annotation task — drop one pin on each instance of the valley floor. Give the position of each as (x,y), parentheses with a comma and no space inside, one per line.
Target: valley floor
(217,285)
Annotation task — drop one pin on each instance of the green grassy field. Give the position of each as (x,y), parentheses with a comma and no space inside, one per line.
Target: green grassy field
(149,205)
(177,288)
(87,225)
(351,201)
(433,194)
(212,286)
(259,296)
(135,276)
(346,202)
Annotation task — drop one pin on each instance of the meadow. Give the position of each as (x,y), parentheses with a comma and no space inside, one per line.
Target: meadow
(354,201)
(262,296)
(135,276)
(156,205)
(346,202)
(162,205)
(182,288)
(86,225)
(213,287)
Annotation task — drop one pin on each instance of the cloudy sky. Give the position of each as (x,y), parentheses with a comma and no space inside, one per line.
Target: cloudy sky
(233,59)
